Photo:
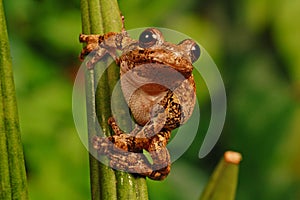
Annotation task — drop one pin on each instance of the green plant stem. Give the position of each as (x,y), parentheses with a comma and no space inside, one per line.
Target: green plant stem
(98,17)
(13,183)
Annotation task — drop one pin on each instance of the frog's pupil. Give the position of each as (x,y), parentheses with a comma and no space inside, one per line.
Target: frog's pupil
(147,37)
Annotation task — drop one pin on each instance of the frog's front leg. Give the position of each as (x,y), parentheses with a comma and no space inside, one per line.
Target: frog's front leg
(101,45)
(139,139)
(160,155)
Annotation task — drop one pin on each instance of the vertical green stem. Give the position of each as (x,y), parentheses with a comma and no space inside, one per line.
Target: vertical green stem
(98,17)
(13,183)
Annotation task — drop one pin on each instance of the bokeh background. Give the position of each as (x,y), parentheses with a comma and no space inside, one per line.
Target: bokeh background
(255,44)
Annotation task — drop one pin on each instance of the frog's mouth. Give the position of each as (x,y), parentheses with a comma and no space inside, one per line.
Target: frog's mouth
(152,78)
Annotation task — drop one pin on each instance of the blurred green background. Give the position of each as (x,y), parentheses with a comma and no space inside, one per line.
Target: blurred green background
(255,44)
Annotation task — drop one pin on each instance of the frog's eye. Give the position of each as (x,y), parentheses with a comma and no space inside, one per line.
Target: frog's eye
(192,49)
(195,52)
(149,37)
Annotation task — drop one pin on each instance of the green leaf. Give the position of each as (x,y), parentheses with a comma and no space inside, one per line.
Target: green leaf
(13,183)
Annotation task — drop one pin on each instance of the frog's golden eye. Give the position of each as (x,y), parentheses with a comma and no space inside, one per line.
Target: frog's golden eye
(149,37)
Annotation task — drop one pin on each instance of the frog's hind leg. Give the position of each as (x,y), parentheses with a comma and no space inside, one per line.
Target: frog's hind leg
(161,165)
(138,163)
(125,153)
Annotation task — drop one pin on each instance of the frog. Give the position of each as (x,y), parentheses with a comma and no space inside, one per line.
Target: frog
(159,87)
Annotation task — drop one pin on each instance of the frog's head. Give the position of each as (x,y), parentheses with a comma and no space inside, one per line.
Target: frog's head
(155,65)
(179,56)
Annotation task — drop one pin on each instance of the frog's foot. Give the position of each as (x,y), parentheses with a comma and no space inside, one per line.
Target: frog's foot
(91,41)
(93,47)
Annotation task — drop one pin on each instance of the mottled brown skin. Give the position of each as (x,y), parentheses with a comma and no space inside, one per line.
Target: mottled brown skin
(159,88)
